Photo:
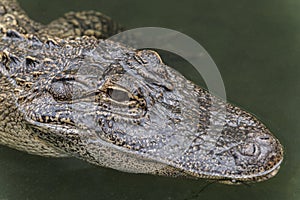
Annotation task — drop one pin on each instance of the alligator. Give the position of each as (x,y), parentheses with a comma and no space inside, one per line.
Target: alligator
(68,91)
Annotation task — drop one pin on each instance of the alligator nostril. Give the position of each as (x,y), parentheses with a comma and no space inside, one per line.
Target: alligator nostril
(250,150)
(264,138)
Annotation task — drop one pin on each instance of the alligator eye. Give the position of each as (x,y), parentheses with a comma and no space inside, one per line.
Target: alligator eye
(61,91)
(118,95)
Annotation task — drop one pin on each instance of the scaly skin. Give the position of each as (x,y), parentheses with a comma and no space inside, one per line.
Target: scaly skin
(69,92)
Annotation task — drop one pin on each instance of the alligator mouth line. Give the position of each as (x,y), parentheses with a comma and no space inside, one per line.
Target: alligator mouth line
(250,178)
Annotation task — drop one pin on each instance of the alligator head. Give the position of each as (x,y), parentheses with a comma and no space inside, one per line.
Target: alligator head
(122,108)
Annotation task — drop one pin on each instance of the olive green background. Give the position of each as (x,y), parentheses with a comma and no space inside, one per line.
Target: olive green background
(255,44)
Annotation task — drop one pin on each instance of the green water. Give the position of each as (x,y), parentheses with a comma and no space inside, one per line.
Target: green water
(255,44)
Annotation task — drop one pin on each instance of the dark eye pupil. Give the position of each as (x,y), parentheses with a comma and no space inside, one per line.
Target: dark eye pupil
(118,95)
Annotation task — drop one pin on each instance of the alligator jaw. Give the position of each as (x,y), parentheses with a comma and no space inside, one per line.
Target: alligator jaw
(254,179)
